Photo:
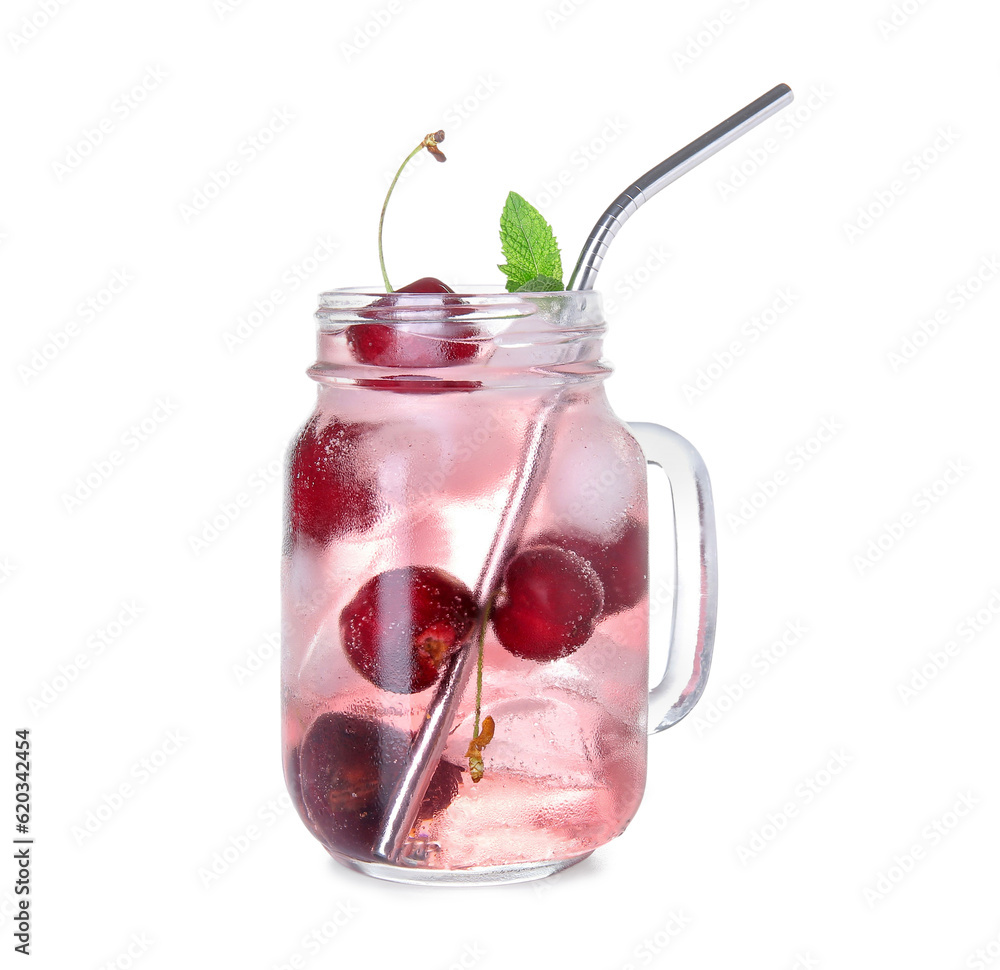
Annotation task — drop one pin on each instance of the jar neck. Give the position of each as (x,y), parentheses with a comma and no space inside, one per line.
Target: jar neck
(459,341)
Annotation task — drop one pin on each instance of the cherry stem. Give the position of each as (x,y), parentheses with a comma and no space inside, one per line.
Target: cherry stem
(479,665)
(430,143)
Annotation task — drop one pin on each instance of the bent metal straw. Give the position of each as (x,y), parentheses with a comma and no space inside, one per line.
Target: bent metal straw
(425,751)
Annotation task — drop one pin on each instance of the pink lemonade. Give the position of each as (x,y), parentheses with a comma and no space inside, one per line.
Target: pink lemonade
(396,486)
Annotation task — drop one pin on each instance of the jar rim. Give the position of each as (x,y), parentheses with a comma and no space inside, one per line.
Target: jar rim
(478,290)
(556,333)
(575,310)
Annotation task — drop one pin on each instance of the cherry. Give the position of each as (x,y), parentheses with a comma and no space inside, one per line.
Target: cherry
(621,564)
(348,766)
(382,344)
(549,604)
(328,495)
(386,345)
(403,624)
(426,284)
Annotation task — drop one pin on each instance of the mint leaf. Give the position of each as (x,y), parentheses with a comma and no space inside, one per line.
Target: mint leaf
(529,245)
(540,284)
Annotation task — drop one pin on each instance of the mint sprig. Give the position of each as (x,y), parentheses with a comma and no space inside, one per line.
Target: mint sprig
(533,260)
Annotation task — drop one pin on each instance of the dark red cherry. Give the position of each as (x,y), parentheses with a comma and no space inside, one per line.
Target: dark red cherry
(621,562)
(387,345)
(549,604)
(426,284)
(329,495)
(348,766)
(403,624)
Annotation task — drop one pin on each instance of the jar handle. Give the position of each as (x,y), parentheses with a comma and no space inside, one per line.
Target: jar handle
(695,599)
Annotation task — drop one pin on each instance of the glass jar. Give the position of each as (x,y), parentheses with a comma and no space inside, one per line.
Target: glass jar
(465,588)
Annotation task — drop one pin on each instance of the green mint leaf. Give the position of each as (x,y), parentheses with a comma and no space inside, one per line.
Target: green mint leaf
(529,245)
(540,284)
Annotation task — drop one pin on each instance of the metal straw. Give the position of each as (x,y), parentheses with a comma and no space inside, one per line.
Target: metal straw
(669,170)
(425,751)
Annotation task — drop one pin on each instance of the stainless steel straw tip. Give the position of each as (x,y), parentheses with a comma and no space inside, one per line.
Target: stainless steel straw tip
(669,170)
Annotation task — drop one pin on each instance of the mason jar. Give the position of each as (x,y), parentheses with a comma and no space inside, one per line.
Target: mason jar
(466,588)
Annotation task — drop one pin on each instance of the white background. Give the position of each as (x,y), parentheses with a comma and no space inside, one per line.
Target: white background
(893,134)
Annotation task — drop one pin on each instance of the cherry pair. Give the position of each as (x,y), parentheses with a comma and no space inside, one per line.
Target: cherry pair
(403,624)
